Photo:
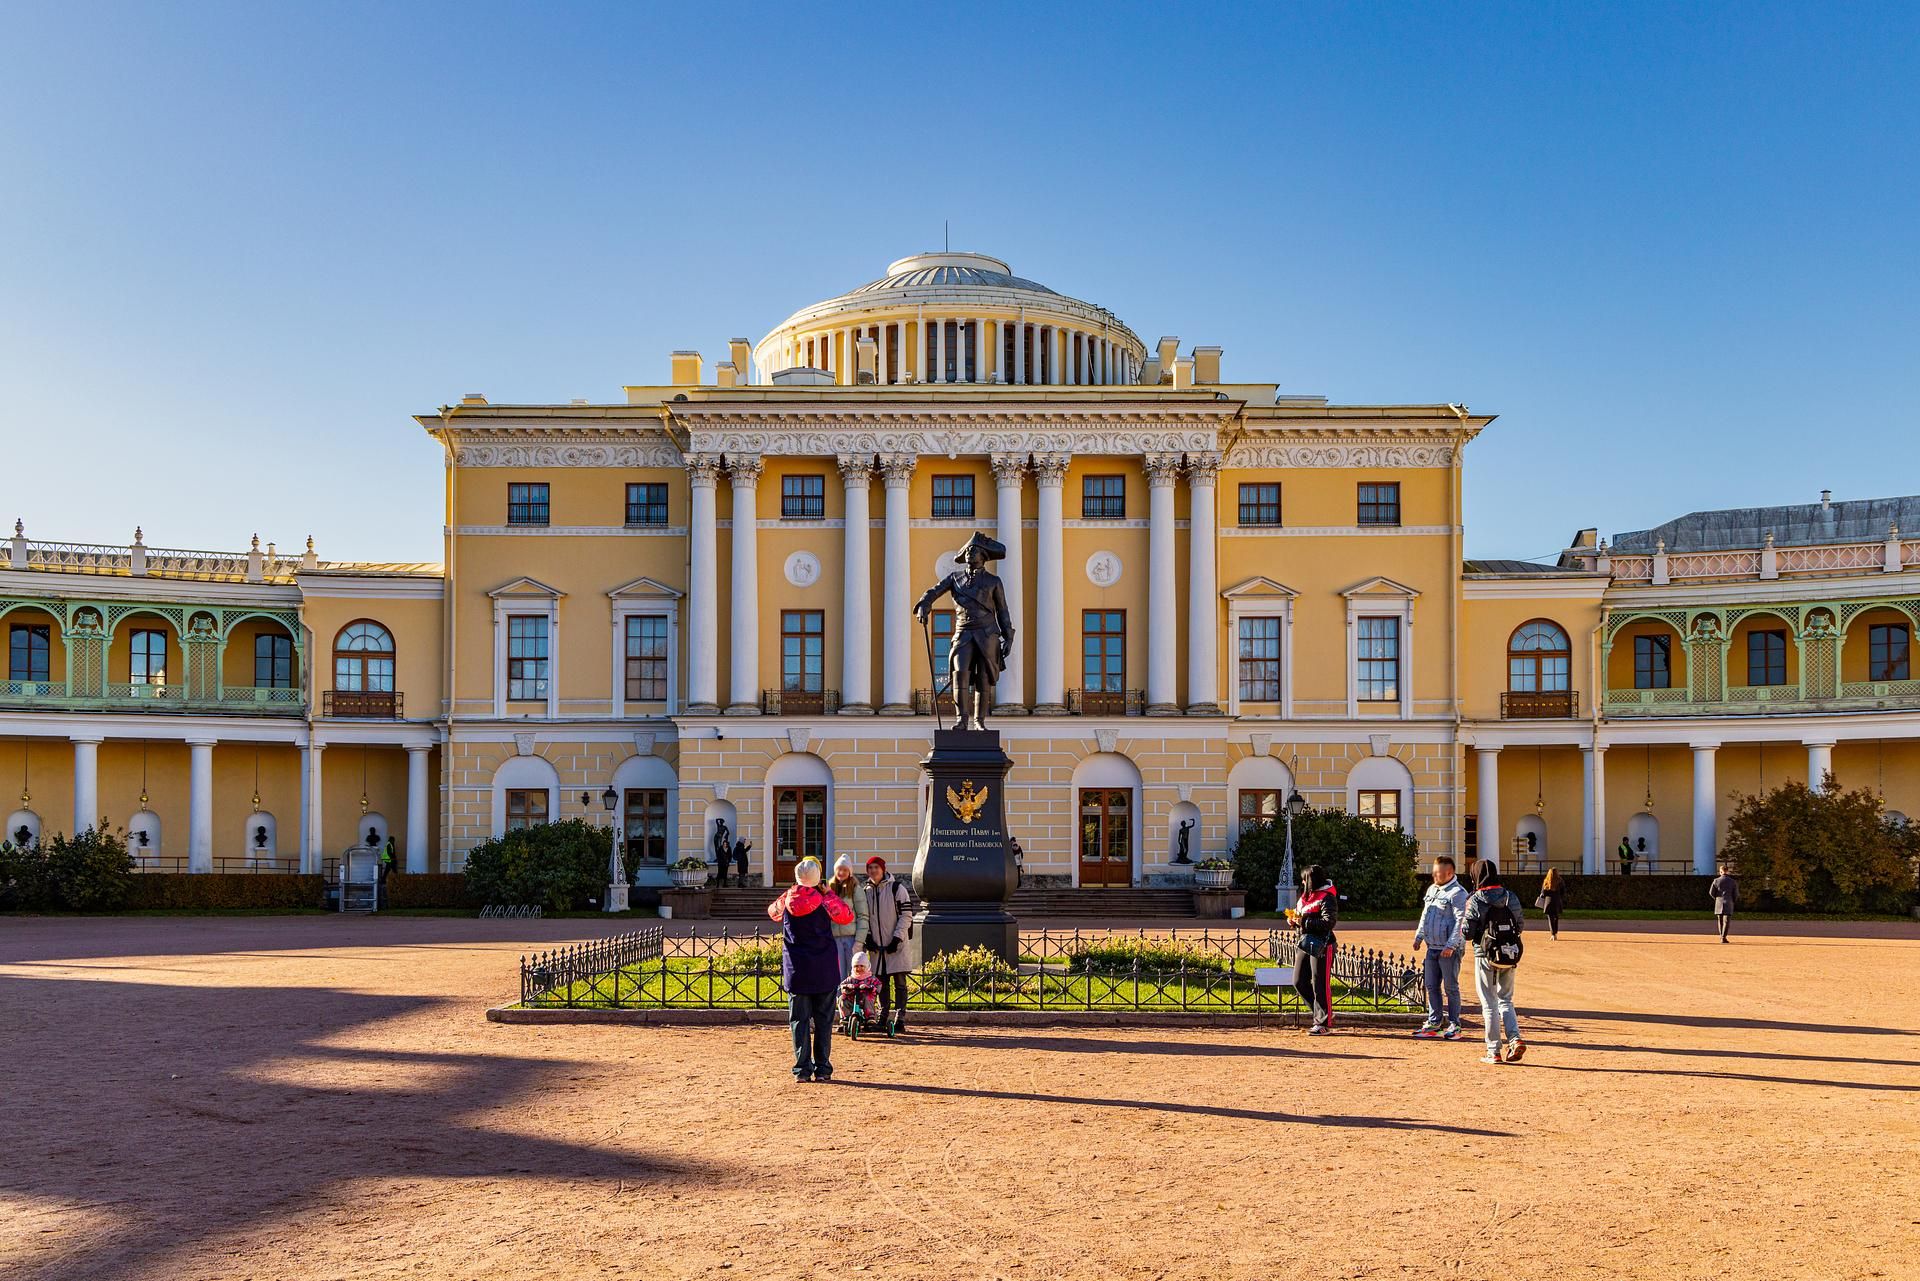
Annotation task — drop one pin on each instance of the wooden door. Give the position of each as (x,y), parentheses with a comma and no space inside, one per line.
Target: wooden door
(1106,837)
(799,829)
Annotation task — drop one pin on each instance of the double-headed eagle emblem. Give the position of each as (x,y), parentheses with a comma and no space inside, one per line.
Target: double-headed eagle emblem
(966,802)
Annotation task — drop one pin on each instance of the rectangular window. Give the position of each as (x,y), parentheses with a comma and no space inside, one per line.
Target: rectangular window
(953,497)
(645,828)
(942,621)
(1380,504)
(803,650)
(527,504)
(1103,497)
(526,808)
(647,658)
(1259,504)
(273,661)
(1889,647)
(1382,809)
(1259,660)
(527,658)
(28,647)
(1103,637)
(1767,658)
(149,660)
(1379,660)
(646,504)
(803,497)
(799,824)
(1652,667)
(1257,806)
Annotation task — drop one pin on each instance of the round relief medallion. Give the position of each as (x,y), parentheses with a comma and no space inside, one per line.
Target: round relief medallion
(1103,569)
(803,569)
(947,564)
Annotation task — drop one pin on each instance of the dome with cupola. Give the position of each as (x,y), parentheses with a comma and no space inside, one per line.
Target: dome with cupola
(951,318)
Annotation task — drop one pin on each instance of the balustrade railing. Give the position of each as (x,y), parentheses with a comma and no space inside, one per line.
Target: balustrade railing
(1101,702)
(136,696)
(1539,704)
(800,702)
(369,704)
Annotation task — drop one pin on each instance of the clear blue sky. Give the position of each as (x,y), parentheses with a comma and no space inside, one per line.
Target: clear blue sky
(1675,249)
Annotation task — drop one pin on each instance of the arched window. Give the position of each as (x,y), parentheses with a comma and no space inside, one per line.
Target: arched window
(1539,658)
(363,671)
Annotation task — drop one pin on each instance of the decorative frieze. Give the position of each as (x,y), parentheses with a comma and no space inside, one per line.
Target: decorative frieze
(1253,457)
(933,441)
(657,453)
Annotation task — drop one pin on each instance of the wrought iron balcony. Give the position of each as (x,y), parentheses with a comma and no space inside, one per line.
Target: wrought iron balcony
(1542,704)
(799,702)
(366,704)
(123,696)
(1100,702)
(287,865)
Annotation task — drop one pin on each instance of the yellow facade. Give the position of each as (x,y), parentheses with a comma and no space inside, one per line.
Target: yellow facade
(607,616)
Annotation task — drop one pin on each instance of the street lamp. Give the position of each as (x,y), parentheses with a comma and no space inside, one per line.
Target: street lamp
(616,873)
(1296,804)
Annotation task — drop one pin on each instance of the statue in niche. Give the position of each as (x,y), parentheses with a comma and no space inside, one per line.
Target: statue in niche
(1186,831)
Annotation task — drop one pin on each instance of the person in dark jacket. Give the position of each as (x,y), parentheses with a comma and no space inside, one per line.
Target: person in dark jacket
(1726,899)
(1553,894)
(1317,915)
(809,967)
(889,922)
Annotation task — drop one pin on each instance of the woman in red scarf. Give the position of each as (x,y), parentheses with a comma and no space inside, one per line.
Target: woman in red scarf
(1318,913)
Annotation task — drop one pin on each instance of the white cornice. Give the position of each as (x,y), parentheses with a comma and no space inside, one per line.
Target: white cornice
(123,587)
(1336,531)
(1569,588)
(381,587)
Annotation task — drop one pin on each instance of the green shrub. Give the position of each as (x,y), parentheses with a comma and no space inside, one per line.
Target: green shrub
(91,872)
(224,891)
(973,968)
(429,889)
(1827,851)
(559,866)
(757,957)
(1372,867)
(1118,954)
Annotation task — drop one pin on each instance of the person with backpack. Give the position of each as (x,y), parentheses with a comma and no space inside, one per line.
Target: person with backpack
(1495,921)
(1317,915)
(809,966)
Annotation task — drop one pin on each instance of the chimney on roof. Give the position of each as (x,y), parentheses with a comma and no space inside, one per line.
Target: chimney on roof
(1182,373)
(726,374)
(473,398)
(740,352)
(686,369)
(1826,500)
(1168,353)
(1206,365)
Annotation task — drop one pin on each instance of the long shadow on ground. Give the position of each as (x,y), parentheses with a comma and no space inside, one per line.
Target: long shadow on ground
(171,1107)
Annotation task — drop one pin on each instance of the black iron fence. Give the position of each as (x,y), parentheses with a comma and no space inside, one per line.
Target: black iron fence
(1199,971)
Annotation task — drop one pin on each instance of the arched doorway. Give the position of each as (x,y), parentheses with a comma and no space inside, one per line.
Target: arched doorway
(1530,844)
(1643,835)
(647,798)
(799,809)
(1106,791)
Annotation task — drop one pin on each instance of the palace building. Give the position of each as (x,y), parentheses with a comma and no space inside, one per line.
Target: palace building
(695,603)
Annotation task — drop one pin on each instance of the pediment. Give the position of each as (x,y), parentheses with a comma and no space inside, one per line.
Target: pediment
(1377,586)
(643,588)
(526,587)
(1259,587)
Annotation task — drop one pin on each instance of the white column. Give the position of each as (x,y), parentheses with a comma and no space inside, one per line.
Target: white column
(897,609)
(1163,628)
(200,805)
(1488,759)
(1819,765)
(417,807)
(743,685)
(939,351)
(1593,850)
(1053,354)
(1085,361)
(1706,817)
(703,591)
(1203,600)
(1050,591)
(86,784)
(1009,472)
(856,625)
(1019,352)
(312,848)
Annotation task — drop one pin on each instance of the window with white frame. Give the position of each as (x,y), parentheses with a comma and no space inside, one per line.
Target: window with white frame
(646,658)
(1259,656)
(526,657)
(1377,659)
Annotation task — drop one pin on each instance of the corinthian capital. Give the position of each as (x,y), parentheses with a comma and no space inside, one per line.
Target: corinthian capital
(1008,469)
(745,469)
(898,470)
(1203,469)
(1162,470)
(856,470)
(703,469)
(1050,470)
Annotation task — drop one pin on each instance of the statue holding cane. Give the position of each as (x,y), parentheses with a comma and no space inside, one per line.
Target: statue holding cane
(982,629)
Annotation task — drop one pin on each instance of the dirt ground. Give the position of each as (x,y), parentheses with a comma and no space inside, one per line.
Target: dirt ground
(311,1097)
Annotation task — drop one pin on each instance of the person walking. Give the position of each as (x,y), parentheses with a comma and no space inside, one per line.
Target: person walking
(1552,895)
(1317,915)
(1442,916)
(1726,898)
(889,924)
(1494,925)
(386,870)
(1625,852)
(809,967)
(847,936)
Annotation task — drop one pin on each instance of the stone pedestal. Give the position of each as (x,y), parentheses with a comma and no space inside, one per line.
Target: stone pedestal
(963,873)
(1218,904)
(688,905)
(617,897)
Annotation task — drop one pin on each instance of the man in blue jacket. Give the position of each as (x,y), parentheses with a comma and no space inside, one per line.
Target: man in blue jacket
(1442,915)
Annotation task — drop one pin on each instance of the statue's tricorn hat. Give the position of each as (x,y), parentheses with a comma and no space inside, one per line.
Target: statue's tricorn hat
(993,549)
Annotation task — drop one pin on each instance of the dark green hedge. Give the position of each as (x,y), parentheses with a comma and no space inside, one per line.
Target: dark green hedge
(204,891)
(429,889)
